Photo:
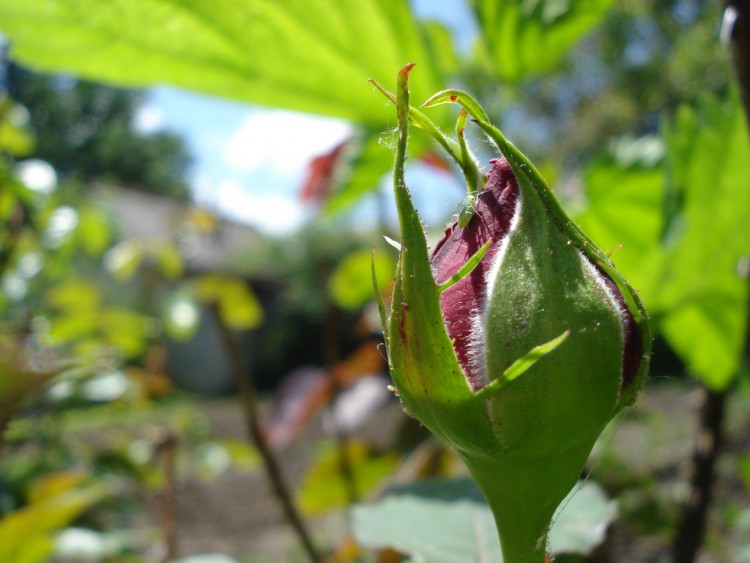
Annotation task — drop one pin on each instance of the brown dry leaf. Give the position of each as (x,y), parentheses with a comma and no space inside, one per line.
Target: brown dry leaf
(300,396)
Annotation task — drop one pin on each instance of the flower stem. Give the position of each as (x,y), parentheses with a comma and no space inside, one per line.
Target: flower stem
(249,401)
(522,532)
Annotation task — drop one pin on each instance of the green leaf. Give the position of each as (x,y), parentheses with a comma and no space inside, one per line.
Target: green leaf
(529,37)
(369,161)
(623,213)
(238,306)
(124,259)
(74,295)
(15,135)
(702,297)
(15,385)
(93,232)
(308,55)
(323,487)
(125,329)
(168,257)
(26,534)
(350,283)
(449,522)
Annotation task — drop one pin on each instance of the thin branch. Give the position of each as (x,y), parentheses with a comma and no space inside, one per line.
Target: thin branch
(249,400)
(692,527)
(735,34)
(166,450)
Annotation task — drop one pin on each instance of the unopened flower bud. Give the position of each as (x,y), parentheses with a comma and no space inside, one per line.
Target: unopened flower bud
(516,341)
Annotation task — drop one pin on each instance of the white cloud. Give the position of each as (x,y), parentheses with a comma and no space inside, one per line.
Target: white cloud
(271,213)
(283,141)
(148,119)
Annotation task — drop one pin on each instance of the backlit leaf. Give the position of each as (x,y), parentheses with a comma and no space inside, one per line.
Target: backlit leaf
(702,296)
(525,38)
(450,522)
(323,488)
(351,282)
(308,55)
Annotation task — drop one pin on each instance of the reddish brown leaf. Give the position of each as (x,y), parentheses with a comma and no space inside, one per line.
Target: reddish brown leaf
(319,181)
(301,395)
(365,360)
(433,160)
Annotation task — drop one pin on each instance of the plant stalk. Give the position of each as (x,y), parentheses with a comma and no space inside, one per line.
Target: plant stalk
(692,527)
(249,400)
(166,451)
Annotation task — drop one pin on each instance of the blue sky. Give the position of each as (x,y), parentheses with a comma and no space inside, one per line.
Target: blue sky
(249,162)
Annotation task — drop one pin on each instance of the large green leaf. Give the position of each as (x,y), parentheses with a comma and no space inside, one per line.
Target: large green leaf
(684,233)
(525,37)
(702,295)
(450,522)
(623,214)
(308,55)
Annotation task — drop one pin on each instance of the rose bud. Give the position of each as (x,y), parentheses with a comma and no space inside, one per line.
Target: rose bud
(517,341)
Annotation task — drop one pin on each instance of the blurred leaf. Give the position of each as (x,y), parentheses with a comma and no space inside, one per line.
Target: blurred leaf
(93,230)
(744,471)
(581,521)
(15,385)
(299,397)
(316,54)
(26,534)
(124,259)
(127,256)
(125,329)
(52,484)
(201,220)
(238,306)
(241,453)
(367,359)
(365,163)
(169,259)
(703,297)
(528,37)
(449,522)
(442,48)
(74,295)
(323,487)
(15,135)
(321,174)
(350,283)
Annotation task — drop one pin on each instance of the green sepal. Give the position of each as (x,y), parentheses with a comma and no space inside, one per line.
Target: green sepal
(424,367)
(467,268)
(469,166)
(425,123)
(521,366)
(379,297)
(451,96)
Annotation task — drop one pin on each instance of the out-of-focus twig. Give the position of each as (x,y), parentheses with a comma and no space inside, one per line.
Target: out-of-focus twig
(692,527)
(735,34)
(249,400)
(166,450)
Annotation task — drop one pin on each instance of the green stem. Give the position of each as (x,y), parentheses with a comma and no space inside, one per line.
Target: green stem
(522,532)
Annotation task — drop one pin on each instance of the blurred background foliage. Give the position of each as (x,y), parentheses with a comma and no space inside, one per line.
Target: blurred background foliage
(113,368)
